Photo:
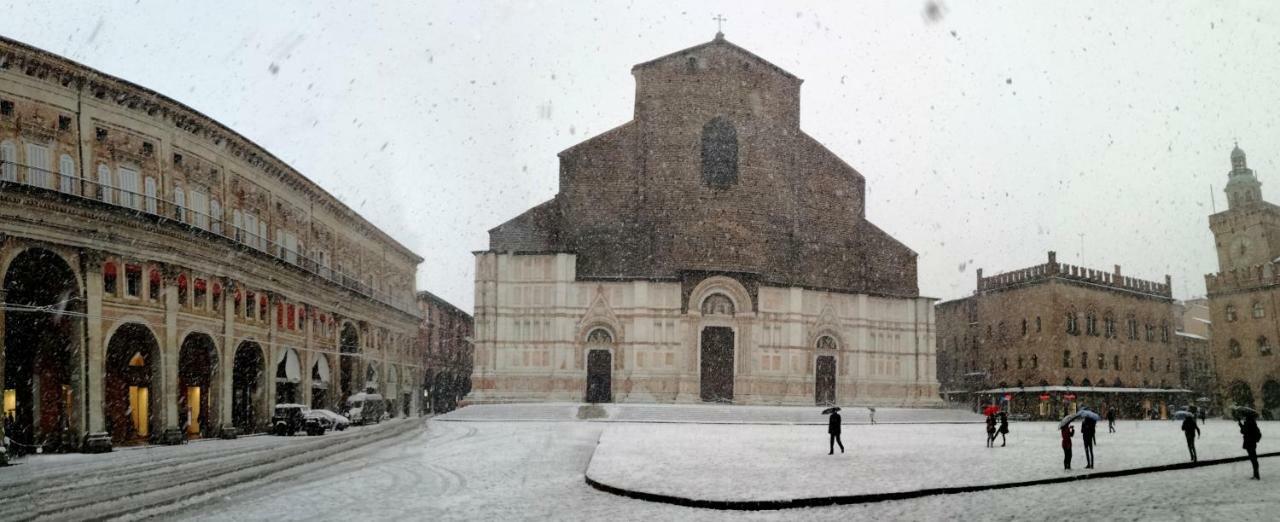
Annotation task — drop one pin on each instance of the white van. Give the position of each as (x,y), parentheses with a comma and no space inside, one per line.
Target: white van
(365,408)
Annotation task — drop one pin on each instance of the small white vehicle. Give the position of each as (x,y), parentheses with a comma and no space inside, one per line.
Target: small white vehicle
(365,408)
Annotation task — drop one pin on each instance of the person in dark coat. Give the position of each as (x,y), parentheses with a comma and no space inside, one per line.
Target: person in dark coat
(1204,415)
(991,431)
(1192,431)
(1249,430)
(1111,420)
(1068,431)
(833,429)
(1089,433)
(1004,428)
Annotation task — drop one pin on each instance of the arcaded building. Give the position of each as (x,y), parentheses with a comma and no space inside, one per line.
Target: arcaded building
(1055,336)
(165,278)
(1244,295)
(706,250)
(444,341)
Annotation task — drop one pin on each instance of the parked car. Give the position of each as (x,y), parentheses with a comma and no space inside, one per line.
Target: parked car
(365,408)
(330,420)
(292,418)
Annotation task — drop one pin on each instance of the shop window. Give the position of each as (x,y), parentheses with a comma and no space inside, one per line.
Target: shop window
(182,289)
(201,292)
(155,284)
(132,280)
(109,278)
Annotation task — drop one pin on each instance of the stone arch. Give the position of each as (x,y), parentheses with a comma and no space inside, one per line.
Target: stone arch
(288,376)
(1240,394)
(197,378)
(248,387)
(132,384)
(46,251)
(348,359)
(37,359)
(1270,399)
(728,286)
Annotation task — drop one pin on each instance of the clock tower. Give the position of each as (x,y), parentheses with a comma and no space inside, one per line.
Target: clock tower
(1248,232)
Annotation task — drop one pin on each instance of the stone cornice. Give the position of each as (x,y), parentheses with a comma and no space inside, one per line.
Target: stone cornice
(48,67)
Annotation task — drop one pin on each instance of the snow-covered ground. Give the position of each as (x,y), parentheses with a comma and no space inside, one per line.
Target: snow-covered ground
(726,462)
(534,471)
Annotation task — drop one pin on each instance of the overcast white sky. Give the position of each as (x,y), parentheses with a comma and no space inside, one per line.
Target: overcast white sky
(987,137)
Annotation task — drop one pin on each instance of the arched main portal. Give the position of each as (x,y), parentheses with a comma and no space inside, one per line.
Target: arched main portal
(824,379)
(131,405)
(288,377)
(41,325)
(247,390)
(320,379)
(599,366)
(348,361)
(716,350)
(197,364)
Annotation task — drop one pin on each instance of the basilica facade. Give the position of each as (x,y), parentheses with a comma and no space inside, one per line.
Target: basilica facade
(707,250)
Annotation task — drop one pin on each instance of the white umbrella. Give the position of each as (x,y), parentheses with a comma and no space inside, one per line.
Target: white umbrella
(1088,413)
(1183,414)
(1067,420)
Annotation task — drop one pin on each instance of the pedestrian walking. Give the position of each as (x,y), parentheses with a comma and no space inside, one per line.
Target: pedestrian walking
(1004,428)
(1192,431)
(1204,415)
(1111,420)
(833,429)
(1249,430)
(872,412)
(1068,431)
(1088,432)
(991,431)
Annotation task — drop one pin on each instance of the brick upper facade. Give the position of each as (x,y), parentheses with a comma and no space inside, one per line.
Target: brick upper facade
(635,201)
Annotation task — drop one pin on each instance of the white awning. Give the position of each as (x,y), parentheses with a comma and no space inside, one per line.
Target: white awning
(292,368)
(321,374)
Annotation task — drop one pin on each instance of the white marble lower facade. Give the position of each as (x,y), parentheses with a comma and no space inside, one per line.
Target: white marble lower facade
(539,331)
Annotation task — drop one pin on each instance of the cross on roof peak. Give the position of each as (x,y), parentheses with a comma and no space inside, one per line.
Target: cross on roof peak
(720,20)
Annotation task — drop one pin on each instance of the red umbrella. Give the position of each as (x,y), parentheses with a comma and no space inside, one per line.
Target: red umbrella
(991,409)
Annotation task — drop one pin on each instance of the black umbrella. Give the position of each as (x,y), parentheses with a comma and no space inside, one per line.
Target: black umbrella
(830,410)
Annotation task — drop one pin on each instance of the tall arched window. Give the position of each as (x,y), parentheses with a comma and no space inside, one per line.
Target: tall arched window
(104,184)
(38,172)
(9,159)
(719,153)
(66,174)
(180,204)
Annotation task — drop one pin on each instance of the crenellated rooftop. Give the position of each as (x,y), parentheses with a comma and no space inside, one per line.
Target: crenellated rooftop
(1248,278)
(1055,270)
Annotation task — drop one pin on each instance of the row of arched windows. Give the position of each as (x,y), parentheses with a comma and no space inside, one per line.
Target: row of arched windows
(1108,329)
(1263,346)
(1258,311)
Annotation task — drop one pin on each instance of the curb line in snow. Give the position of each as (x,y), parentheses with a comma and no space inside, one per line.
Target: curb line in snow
(769,505)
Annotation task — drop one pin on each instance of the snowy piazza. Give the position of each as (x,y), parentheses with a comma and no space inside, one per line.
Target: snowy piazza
(613,260)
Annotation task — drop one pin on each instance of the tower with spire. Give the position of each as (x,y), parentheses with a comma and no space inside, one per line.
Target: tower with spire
(1247,234)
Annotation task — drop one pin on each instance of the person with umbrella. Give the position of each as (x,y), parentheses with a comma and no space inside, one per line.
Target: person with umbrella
(1089,433)
(871,411)
(1004,428)
(1249,430)
(833,429)
(991,430)
(1067,431)
(1189,428)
